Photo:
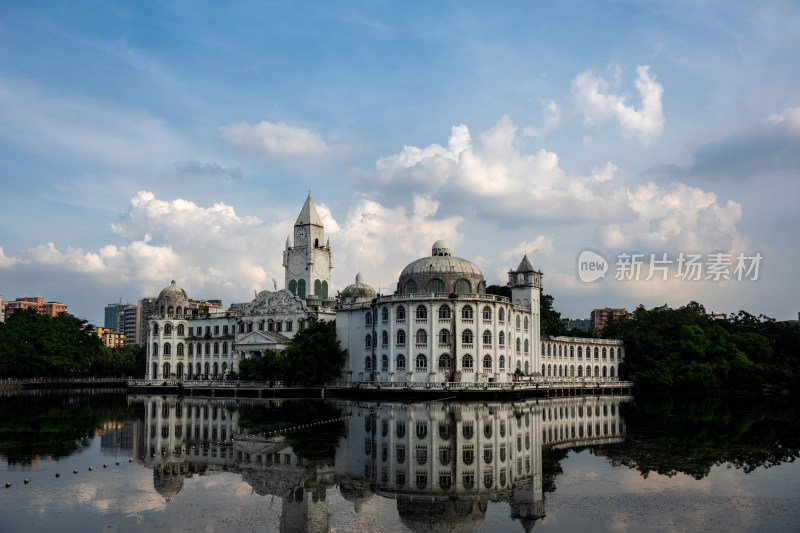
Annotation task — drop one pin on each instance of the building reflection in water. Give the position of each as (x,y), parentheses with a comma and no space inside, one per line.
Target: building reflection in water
(442,462)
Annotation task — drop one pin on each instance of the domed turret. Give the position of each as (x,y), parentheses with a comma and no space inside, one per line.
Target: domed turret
(441,273)
(172,300)
(358,292)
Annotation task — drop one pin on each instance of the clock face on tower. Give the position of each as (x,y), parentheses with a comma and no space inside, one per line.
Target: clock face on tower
(302,235)
(297,264)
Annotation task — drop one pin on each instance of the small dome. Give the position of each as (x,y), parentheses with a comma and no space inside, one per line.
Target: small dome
(440,247)
(358,292)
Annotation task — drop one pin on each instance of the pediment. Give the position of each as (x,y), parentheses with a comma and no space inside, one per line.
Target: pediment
(269,302)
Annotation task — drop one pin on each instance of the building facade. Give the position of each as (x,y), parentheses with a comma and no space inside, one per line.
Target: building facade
(600,317)
(50,309)
(440,325)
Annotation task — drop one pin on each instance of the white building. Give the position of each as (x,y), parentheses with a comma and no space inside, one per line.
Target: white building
(439,326)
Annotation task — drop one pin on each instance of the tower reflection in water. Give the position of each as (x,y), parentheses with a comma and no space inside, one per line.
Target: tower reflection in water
(442,462)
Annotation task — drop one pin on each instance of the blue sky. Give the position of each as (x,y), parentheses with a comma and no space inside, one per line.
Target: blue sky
(144,142)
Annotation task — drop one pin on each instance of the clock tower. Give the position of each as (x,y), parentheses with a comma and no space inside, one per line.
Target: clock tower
(309,262)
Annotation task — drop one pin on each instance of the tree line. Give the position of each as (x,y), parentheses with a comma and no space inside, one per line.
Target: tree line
(36,345)
(688,350)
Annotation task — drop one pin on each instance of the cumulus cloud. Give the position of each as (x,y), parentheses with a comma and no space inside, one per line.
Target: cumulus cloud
(491,175)
(196,169)
(276,139)
(591,95)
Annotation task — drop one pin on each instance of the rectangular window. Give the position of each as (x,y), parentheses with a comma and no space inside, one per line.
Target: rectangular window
(216,330)
(279,325)
(191,331)
(224,330)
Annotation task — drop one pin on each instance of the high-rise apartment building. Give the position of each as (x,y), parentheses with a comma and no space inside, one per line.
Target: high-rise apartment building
(112,316)
(600,317)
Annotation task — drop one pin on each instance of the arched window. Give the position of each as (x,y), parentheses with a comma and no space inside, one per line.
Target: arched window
(368,318)
(571,352)
(317,288)
(155,328)
(611,355)
(384,338)
(216,369)
(487,361)
(224,370)
(580,352)
(384,314)
(605,372)
(191,349)
(324,293)
(572,371)
(588,371)
(293,287)
(613,372)
(481,287)
(444,312)
(519,342)
(400,313)
(501,338)
(466,361)
(467,312)
(224,348)
(181,330)
(167,329)
(604,355)
(411,287)
(444,361)
(422,336)
(526,346)
(596,353)
(436,286)
(179,369)
(422,312)
(526,323)
(444,336)
(385,362)
(166,370)
(462,287)
(368,364)
(401,337)
(487,337)
(580,371)
(216,348)
(467,337)
(401,361)
(368,341)
(197,366)
(422,362)
(543,370)
(502,361)
(208,348)
(487,312)
(199,349)
(518,321)
(301,288)
(526,367)
(179,348)
(501,315)
(549,370)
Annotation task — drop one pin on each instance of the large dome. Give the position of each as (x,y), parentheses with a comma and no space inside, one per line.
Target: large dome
(358,292)
(441,273)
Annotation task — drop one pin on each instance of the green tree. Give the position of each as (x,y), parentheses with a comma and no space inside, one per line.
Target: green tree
(315,356)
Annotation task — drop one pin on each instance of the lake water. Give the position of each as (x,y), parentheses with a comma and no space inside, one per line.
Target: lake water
(606,463)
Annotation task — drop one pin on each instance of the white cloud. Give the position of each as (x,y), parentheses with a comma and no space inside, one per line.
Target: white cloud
(552,117)
(591,95)
(378,241)
(8,262)
(276,139)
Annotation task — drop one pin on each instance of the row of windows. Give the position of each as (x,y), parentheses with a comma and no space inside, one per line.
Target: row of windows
(445,337)
(298,288)
(179,349)
(445,313)
(244,327)
(446,478)
(561,371)
(562,352)
(210,371)
(444,362)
